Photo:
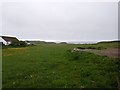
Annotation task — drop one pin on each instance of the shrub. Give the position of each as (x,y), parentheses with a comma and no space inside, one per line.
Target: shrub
(80,47)
(18,44)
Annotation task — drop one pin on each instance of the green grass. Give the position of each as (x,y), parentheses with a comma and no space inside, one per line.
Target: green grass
(49,65)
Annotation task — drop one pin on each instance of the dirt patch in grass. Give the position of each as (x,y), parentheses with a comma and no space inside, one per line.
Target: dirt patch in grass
(113,52)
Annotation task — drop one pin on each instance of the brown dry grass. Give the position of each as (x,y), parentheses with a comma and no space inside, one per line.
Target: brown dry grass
(12,51)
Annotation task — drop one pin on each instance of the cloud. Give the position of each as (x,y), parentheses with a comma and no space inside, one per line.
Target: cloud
(61,21)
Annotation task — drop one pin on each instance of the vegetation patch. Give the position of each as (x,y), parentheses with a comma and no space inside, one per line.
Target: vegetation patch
(18,44)
(91,47)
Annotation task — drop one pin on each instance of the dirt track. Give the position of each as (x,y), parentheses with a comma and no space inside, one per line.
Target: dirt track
(113,53)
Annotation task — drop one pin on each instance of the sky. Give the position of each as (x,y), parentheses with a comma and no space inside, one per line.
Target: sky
(60,21)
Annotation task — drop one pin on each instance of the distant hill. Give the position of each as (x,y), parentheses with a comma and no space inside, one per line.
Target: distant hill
(100,42)
(108,42)
(41,42)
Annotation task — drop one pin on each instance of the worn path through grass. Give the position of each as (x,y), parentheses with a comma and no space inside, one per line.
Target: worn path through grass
(111,52)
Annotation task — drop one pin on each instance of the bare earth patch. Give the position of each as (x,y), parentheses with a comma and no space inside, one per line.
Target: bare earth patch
(112,52)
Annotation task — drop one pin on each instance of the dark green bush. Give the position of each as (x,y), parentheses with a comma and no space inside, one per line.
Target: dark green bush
(81,48)
(18,44)
(91,47)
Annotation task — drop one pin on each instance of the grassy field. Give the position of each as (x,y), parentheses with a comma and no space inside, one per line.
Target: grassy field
(53,66)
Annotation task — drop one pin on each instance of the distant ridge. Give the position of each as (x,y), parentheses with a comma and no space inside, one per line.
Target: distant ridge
(70,42)
(116,41)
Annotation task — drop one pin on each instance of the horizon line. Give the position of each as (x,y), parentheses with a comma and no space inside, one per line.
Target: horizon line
(70,41)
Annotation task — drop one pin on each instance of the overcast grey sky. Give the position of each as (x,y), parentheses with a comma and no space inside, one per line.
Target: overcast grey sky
(61,21)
